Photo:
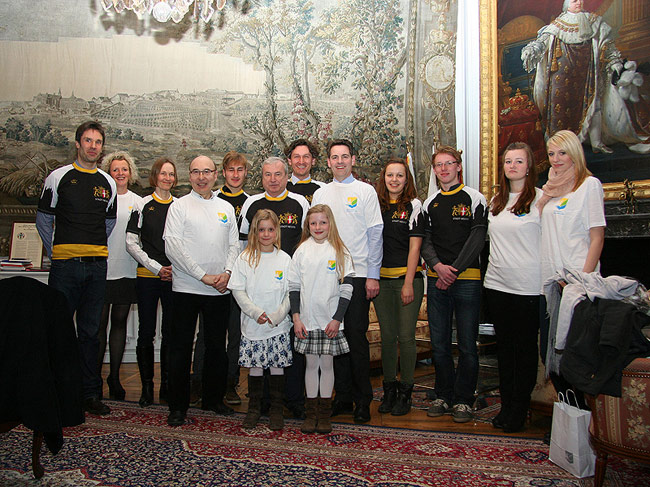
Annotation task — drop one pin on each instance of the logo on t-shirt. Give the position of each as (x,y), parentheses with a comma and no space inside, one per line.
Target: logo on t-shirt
(279,275)
(461,210)
(563,203)
(352,202)
(223,218)
(331,265)
(151,208)
(101,192)
(289,219)
(400,215)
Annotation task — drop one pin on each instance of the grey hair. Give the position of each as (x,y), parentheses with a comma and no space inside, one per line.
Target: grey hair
(273,160)
(122,155)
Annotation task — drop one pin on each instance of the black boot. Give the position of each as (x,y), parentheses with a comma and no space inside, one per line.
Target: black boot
(390,394)
(403,403)
(164,373)
(255,386)
(115,389)
(145,365)
(276,413)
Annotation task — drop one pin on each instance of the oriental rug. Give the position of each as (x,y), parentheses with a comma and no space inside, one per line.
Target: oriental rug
(133,447)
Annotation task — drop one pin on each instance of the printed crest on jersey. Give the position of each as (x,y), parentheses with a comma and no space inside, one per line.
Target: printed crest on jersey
(352,202)
(223,218)
(101,192)
(73,181)
(151,208)
(400,215)
(279,275)
(288,219)
(461,210)
(331,265)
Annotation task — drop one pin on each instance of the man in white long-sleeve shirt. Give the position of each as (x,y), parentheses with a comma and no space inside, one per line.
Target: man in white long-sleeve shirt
(202,242)
(358,218)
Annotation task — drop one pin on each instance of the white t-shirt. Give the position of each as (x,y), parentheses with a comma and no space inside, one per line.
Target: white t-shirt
(120,263)
(515,241)
(565,227)
(356,209)
(201,237)
(313,271)
(267,286)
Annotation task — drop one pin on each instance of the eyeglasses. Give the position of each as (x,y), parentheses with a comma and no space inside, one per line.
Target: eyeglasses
(440,165)
(202,172)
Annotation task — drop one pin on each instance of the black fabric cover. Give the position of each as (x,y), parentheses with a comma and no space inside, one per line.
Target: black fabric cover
(40,375)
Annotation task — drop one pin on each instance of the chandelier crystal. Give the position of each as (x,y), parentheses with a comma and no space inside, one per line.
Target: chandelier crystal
(164,10)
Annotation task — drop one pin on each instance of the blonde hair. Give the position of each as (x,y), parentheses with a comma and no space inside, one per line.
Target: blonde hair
(333,237)
(121,155)
(253,251)
(569,143)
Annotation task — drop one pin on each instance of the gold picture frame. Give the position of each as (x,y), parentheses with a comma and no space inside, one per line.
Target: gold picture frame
(489,112)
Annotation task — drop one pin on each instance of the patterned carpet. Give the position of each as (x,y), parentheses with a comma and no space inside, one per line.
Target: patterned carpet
(135,448)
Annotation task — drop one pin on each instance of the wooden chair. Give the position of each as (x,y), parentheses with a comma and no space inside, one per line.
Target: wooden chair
(37,442)
(619,424)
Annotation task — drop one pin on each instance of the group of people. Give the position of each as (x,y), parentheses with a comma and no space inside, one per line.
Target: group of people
(283,280)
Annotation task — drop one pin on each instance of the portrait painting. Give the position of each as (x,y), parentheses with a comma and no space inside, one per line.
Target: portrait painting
(579,65)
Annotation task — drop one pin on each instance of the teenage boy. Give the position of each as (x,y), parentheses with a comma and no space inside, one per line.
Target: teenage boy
(358,217)
(455,219)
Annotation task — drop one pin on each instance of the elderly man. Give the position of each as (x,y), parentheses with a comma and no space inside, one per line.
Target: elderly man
(76,213)
(201,242)
(291,210)
(358,217)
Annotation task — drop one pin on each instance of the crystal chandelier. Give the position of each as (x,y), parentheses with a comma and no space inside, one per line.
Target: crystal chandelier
(164,10)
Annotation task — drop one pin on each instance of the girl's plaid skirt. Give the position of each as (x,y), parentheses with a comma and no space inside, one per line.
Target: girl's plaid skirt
(270,352)
(318,343)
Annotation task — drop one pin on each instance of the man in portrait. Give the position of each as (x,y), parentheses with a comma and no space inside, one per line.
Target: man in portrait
(575,57)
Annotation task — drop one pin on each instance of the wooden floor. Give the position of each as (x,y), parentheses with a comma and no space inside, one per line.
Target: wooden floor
(416,419)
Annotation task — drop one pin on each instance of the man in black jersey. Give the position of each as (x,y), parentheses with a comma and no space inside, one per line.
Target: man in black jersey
(302,156)
(76,214)
(291,209)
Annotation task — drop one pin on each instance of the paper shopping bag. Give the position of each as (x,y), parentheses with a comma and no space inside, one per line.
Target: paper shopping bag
(570,447)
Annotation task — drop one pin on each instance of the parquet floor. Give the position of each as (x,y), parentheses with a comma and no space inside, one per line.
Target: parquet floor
(416,419)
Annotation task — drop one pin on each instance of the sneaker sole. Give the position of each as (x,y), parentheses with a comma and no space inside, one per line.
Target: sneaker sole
(462,420)
(435,415)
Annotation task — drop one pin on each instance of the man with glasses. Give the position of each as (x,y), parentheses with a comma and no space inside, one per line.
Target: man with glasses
(455,226)
(202,242)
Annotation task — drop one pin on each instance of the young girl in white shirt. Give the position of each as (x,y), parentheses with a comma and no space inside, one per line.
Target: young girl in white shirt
(320,288)
(259,284)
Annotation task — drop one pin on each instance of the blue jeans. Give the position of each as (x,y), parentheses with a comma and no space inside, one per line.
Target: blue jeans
(84,286)
(463,297)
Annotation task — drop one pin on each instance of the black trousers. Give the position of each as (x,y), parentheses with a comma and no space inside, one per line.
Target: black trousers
(216,310)
(516,323)
(352,370)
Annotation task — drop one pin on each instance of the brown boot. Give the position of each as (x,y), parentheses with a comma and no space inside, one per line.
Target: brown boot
(311,410)
(324,414)
(232,397)
(255,386)
(276,413)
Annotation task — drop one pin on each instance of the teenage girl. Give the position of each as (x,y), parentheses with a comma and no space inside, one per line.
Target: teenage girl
(259,284)
(320,288)
(513,281)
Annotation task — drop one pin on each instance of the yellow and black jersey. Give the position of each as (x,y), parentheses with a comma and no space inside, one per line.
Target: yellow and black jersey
(291,210)
(305,188)
(81,200)
(456,222)
(237,199)
(148,222)
(399,226)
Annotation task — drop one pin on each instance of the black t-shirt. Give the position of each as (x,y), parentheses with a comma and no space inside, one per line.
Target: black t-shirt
(148,221)
(399,227)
